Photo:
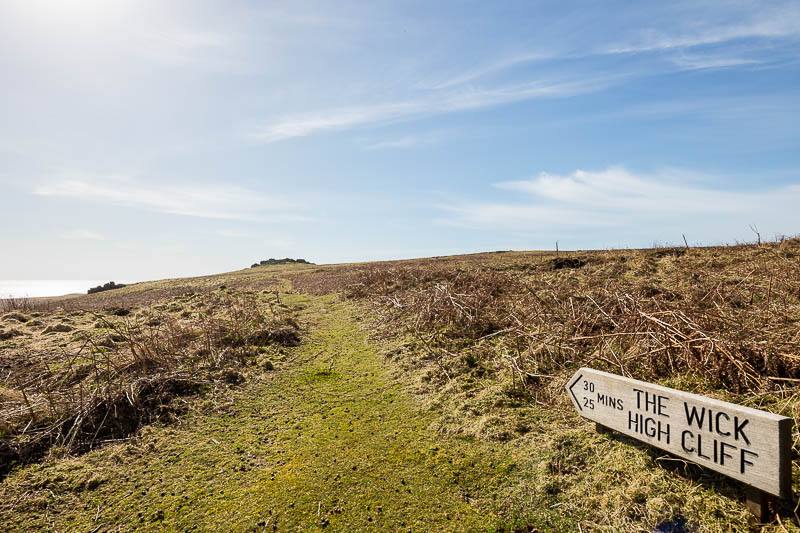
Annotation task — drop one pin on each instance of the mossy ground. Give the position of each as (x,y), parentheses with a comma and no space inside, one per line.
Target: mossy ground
(335,434)
(327,439)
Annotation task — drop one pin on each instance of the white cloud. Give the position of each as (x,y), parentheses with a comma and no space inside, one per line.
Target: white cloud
(82,235)
(434,103)
(616,188)
(211,201)
(767,22)
(335,119)
(498,65)
(618,198)
(685,40)
(699,62)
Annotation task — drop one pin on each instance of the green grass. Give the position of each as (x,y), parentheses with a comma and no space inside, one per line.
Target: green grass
(296,448)
(339,437)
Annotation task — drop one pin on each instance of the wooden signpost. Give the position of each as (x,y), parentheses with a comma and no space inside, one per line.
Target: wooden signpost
(746,444)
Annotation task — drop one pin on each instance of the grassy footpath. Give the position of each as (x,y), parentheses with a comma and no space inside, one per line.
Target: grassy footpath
(326,440)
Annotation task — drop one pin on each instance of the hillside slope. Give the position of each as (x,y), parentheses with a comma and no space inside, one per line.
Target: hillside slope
(418,395)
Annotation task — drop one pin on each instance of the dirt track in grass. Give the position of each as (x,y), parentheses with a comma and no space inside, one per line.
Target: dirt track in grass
(368,425)
(326,440)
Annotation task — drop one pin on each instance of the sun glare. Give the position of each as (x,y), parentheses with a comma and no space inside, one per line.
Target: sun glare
(70,15)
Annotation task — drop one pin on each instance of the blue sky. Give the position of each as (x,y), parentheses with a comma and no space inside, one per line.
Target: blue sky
(154,139)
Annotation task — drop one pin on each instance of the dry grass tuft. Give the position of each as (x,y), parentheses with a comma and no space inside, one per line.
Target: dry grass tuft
(726,315)
(126,370)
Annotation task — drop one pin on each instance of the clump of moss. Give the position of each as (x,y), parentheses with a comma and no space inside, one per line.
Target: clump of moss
(18,317)
(10,334)
(58,328)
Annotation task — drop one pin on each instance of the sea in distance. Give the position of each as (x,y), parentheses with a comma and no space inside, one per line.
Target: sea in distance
(36,288)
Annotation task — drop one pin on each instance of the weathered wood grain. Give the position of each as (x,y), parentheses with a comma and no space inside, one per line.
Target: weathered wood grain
(746,444)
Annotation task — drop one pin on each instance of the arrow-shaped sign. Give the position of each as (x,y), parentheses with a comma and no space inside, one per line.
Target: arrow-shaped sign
(575,398)
(746,444)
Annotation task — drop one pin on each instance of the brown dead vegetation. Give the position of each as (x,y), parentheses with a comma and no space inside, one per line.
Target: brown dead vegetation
(74,387)
(727,315)
(141,294)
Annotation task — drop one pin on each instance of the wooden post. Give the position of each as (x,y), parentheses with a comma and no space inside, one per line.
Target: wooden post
(758,503)
(601,429)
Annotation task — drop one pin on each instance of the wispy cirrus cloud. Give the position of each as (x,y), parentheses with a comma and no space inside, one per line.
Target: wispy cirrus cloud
(208,201)
(765,22)
(499,65)
(616,188)
(335,119)
(751,38)
(712,61)
(618,198)
(433,103)
(779,22)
